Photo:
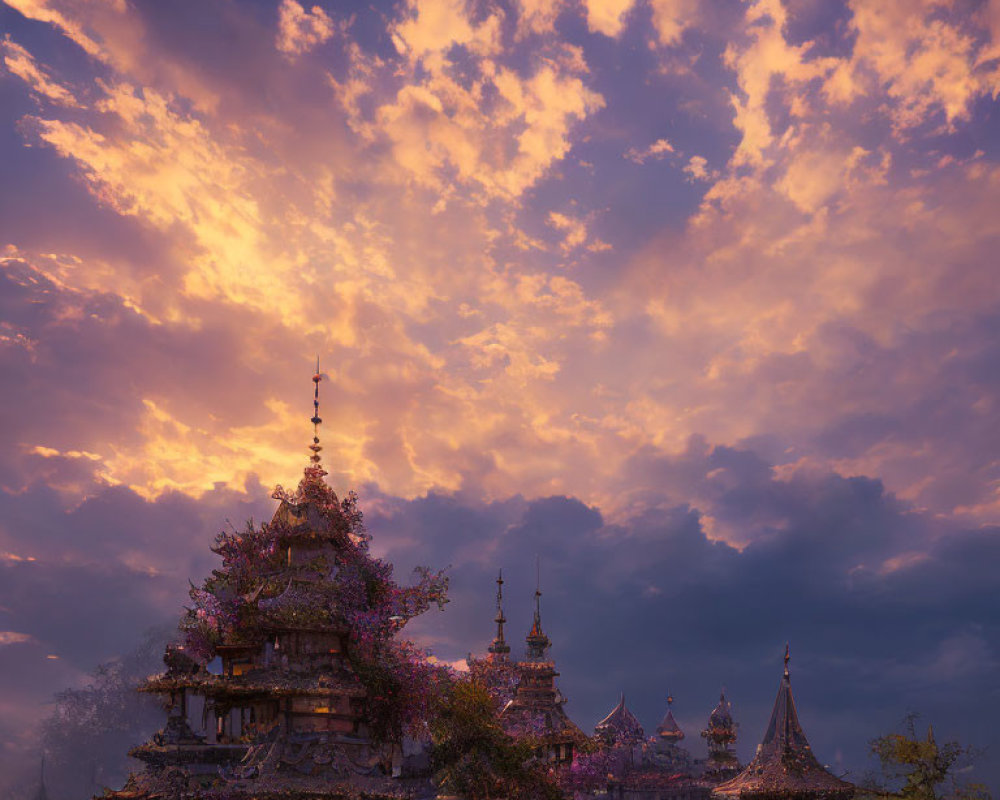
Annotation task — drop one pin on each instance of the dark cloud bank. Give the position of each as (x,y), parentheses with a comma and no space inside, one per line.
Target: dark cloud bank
(887,610)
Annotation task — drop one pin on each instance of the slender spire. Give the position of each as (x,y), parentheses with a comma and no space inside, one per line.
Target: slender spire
(787,659)
(538,592)
(499,646)
(538,642)
(316,418)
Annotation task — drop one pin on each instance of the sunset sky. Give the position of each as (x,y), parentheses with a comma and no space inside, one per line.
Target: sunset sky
(698,300)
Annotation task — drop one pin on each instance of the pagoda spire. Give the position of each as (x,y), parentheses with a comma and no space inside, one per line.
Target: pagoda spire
(314,468)
(499,647)
(538,642)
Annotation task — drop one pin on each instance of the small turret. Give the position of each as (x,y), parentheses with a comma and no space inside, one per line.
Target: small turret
(720,735)
(668,730)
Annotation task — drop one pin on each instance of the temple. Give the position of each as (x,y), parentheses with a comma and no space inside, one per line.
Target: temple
(785,766)
(286,713)
(537,705)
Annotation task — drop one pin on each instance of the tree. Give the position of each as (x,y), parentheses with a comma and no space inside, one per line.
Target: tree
(87,736)
(474,757)
(922,769)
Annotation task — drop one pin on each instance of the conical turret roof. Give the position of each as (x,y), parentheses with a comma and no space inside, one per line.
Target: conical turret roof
(785,764)
(668,728)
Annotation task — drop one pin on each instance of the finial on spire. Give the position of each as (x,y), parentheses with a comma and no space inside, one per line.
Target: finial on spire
(499,646)
(538,642)
(787,659)
(670,700)
(317,377)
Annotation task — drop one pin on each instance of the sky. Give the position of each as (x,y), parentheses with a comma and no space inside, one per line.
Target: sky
(698,301)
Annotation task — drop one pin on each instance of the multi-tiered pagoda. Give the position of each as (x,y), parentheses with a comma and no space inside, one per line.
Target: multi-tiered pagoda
(785,767)
(537,707)
(312,694)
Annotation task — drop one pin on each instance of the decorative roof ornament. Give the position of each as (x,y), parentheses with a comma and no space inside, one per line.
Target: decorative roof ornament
(499,647)
(315,470)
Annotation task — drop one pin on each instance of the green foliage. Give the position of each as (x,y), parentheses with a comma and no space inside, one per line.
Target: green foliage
(472,755)
(922,769)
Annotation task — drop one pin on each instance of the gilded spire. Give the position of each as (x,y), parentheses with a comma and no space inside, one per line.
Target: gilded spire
(787,659)
(315,446)
(499,646)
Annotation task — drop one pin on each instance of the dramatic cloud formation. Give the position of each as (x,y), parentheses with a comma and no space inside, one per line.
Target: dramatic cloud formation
(696,299)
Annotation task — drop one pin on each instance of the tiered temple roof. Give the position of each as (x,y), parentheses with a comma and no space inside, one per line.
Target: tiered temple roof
(785,766)
(620,726)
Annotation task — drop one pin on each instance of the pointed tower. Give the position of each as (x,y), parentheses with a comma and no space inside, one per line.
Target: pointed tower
(720,735)
(303,622)
(620,726)
(784,766)
(537,706)
(499,649)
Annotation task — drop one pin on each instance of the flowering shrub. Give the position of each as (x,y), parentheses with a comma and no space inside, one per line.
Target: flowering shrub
(499,677)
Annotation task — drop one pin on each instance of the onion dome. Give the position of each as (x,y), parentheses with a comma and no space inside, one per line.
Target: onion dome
(722,714)
(620,725)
